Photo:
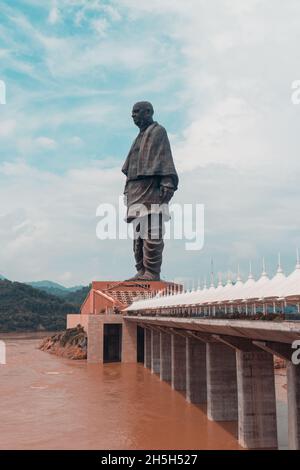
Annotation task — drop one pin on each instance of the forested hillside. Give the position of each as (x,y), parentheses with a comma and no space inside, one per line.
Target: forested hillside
(24,308)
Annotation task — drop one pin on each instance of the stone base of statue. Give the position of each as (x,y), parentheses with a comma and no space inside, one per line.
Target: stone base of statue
(144,276)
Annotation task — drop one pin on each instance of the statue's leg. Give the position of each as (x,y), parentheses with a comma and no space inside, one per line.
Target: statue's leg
(153,247)
(138,251)
(138,254)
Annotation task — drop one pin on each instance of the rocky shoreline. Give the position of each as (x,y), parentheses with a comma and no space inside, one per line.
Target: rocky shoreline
(71,344)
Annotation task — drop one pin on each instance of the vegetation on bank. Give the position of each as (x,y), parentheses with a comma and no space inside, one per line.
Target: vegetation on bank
(24,308)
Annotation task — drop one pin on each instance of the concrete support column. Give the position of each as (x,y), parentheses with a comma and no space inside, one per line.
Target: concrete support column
(95,340)
(155,352)
(196,389)
(256,400)
(221,383)
(178,355)
(293,387)
(147,348)
(129,342)
(165,356)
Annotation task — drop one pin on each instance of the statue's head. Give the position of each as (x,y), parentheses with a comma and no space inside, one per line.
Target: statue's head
(142,113)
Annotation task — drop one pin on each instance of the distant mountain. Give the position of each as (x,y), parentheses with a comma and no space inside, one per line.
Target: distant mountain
(74,288)
(53,288)
(1,277)
(46,284)
(24,308)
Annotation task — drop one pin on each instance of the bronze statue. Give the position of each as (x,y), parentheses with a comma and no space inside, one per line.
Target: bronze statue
(150,185)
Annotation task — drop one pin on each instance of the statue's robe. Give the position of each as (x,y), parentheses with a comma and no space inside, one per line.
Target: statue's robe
(148,166)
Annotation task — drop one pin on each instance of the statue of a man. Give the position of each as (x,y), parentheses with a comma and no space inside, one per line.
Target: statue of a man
(150,185)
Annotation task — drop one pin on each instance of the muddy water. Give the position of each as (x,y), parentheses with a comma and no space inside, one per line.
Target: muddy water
(48,402)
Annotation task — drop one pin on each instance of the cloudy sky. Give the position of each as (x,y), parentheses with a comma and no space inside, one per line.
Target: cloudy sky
(219,74)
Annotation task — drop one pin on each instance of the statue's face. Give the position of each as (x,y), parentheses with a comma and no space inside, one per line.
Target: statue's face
(141,114)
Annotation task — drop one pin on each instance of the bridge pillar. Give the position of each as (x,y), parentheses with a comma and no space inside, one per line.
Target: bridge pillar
(284,350)
(222,402)
(196,389)
(147,348)
(155,352)
(95,340)
(293,387)
(256,400)
(178,354)
(165,356)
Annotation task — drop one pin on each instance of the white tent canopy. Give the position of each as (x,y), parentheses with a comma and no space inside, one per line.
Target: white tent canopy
(263,290)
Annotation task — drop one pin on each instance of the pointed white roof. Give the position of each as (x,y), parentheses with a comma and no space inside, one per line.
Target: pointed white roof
(231,290)
(253,290)
(240,291)
(264,288)
(291,287)
(209,295)
(224,294)
(273,288)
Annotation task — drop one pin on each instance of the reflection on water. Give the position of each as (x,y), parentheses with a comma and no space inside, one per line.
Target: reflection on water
(48,402)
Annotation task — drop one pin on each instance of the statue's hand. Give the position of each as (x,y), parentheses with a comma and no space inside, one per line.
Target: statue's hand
(166,193)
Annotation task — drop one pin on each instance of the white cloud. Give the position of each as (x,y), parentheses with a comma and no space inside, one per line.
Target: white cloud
(219,136)
(48,223)
(112,12)
(45,143)
(54,14)
(65,277)
(79,17)
(237,149)
(44,213)
(76,141)
(100,26)
(7,127)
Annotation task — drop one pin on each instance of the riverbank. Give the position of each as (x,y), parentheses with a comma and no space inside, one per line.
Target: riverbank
(27,334)
(71,343)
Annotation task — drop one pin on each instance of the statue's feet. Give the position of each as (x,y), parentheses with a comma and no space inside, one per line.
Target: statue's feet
(149,276)
(137,277)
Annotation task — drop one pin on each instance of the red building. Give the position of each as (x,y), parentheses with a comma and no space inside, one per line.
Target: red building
(107,297)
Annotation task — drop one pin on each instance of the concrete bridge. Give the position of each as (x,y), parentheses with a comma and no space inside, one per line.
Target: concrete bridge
(227,364)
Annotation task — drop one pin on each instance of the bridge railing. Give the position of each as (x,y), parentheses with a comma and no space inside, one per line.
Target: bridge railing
(218,314)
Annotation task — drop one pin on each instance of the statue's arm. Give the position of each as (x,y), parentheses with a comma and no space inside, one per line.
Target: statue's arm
(167,189)
(125,193)
(126,187)
(167,181)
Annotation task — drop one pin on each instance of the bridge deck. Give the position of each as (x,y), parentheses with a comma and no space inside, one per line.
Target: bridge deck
(283,332)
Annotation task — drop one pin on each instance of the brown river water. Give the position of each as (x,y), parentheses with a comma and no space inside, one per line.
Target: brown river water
(47,402)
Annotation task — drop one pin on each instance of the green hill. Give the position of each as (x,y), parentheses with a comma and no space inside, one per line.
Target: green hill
(77,297)
(24,308)
(54,288)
